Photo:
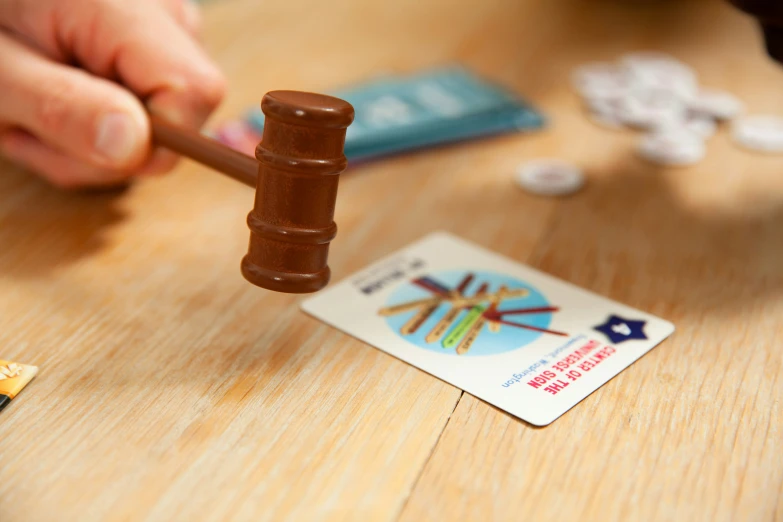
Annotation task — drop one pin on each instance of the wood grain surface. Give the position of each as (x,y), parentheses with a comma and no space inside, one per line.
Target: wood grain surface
(170,389)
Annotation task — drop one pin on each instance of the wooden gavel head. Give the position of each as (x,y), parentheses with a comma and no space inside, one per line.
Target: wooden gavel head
(301,156)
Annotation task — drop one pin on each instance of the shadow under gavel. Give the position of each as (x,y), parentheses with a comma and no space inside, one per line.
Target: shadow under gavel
(295,173)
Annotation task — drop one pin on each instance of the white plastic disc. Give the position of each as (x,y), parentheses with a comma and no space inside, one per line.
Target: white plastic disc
(720,105)
(655,70)
(607,121)
(759,133)
(602,106)
(701,126)
(605,113)
(650,108)
(671,147)
(600,80)
(550,177)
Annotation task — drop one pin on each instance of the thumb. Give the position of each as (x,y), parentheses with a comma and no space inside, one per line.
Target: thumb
(83,116)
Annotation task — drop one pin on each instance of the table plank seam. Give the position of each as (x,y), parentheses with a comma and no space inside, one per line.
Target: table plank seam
(426,462)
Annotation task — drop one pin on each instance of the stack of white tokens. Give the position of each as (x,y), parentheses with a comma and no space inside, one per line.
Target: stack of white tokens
(659,95)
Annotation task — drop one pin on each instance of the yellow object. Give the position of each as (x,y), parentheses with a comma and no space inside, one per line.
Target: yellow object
(13,378)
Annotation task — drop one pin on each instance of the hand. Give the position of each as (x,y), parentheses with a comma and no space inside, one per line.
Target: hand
(86,126)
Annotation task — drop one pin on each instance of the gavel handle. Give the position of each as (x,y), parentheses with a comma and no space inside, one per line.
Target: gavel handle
(206,151)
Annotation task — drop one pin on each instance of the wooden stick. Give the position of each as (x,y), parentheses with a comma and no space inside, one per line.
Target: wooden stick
(206,151)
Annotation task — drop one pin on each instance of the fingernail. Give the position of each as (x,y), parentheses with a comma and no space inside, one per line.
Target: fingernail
(169,112)
(118,138)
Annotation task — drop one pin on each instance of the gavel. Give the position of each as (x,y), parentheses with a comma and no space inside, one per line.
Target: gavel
(295,173)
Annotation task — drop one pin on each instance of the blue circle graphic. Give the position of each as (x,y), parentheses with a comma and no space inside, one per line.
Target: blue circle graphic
(490,339)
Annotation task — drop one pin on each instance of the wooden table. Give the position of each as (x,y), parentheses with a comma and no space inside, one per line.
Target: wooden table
(170,389)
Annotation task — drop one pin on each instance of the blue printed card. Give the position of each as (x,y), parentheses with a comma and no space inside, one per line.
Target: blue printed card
(395,114)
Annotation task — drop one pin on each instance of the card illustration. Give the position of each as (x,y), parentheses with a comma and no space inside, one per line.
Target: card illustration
(461,312)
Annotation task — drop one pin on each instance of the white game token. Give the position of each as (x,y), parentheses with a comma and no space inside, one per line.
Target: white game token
(600,80)
(602,105)
(672,147)
(661,71)
(759,133)
(550,177)
(607,121)
(605,112)
(701,126)
(650,108)
(716,104)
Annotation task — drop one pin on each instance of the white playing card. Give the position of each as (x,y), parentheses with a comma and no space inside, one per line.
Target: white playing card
(517,338)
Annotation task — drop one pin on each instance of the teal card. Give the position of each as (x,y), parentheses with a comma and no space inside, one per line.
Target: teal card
(396,114)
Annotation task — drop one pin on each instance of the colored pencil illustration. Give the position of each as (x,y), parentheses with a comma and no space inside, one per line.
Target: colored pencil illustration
(466,317)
